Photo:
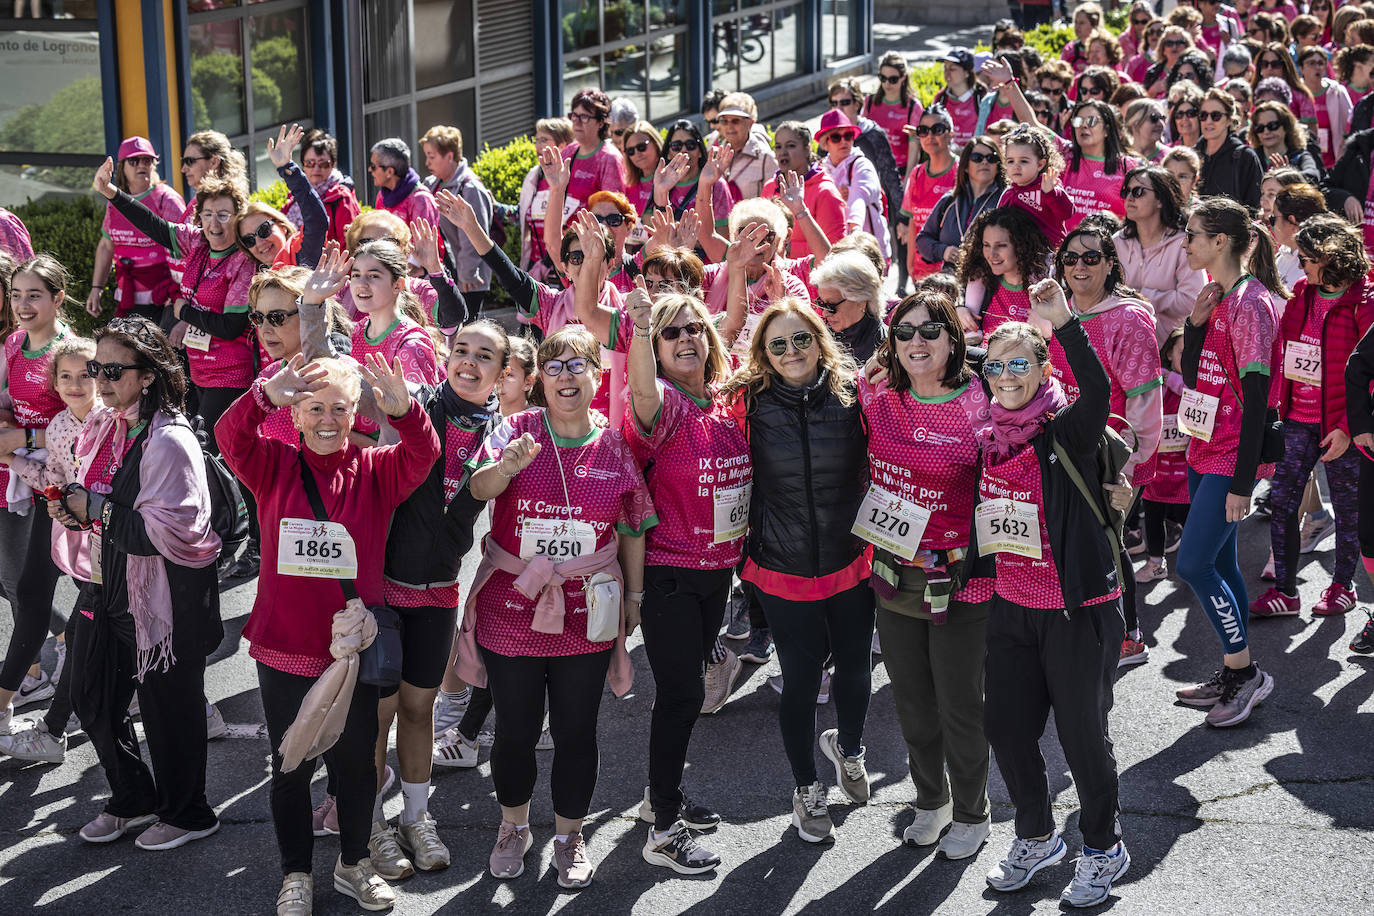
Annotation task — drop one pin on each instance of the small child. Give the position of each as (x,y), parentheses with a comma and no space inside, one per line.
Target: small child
(1166,496)
(519,378)
(1033,164)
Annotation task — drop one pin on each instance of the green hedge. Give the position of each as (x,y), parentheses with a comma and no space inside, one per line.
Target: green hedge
(503,170)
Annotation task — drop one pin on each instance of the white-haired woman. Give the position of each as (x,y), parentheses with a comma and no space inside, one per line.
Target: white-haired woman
(849,293)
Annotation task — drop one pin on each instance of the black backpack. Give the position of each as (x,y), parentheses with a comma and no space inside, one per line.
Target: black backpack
(228,511)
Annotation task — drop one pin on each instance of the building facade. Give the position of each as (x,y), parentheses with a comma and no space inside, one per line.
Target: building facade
(88,72)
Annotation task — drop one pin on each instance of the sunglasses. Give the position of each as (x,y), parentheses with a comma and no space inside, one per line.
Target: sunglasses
(1087,121)
(142,160)
(1019,367)
(614,220)
(801,340)
(1157,118)
(317,164)
(575,258)
(1190,234)
(1095,91)
(890,80)
(1175,42)
(842,103)
(639,147)
(1268,127)
(1044,114)
(1213,116)
(111,371)
(188,161)
(1047,91)
(554,367)
(1091,258)
(678,146)
(691,329)
(259,234)
(1189,113)
(830,307)
(841,136)
(1271,63)
(926,130)
(991,157)
(929,330)
(1141,21)
(1136,192)
(276,318)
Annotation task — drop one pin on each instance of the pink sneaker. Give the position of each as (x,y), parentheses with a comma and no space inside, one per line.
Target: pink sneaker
(1133,652)
(1337,599)
(1275,603)
(324,820)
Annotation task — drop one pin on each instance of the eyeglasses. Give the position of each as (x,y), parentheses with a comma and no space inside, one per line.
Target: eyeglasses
(801,340)
(1087,121)
(678,146)
(142,160)
(691,329)
(1189,113)
(219,216)
(259,234)
(986,157)
(1136,191)
(1175,42)
(188,161)
(890,80)
(1091,258)
(926,130)
(614,220)
(1019,367)
(844,103)
(578,117)
(1214,116)
(111,371)
(664,285)
(1268,127)
(575,258)
(276,318)
(554,367)
(1095,91)
(929,330)
(639,147)
(1271,63)
(830,307)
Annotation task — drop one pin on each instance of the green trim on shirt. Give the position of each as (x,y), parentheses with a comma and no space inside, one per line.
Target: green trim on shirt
(376,340)
(1138,390)
(703,403)
(614,334)
(237,309)
(569,443)
(34,354)
(532,309)
(134,431)
(218,255)
(1010,287)
(626,530)
(1331,296)
(939,399)
(1246,369)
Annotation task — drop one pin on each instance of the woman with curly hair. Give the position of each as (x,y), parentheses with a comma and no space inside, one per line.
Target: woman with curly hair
(1006,251)
(1280,140)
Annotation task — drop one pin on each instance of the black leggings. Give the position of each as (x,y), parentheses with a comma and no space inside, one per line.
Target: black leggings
(29,577)
(60,709)
(574,685)
(682,613)
(1366,519)
(1155,516)
(352,770)
(475,716)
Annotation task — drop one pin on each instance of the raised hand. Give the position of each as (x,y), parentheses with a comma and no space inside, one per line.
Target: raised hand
(1047,180)
(279,151)
(750,244)
(388,385)
(685,235)
(639,304)
(517,455)
(424,245)
(555,168)
(103,182)
(662,229)
(1048,302)
(295,382)
(669,173)
(717,165)
(997,70)
(592,237)
(773,284)
(457,211)
(791,188)
(329,277)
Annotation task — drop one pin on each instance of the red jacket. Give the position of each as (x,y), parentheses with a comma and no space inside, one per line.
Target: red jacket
(1346,322)
(360,489)
(342,206)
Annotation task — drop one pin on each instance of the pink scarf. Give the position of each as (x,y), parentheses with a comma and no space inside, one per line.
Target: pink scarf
(174,500)
(1012,429)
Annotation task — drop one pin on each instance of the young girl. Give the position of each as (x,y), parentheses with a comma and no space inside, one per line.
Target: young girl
(1004,253)
(1183,163)
(46,738)
(893,107)
(1034,164)
(961,94)
(377,283)
(1166,496)
(519,378)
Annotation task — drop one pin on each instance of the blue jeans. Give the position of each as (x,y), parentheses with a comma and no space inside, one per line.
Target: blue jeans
(1207,560)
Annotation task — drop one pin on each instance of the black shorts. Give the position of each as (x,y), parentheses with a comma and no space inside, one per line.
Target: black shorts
(426,638)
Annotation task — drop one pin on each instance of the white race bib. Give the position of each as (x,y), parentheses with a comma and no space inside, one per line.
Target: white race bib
(196,339)
(1197,414)
(891,522)
(321,550)
(731,512)
(539,206)
(639,235)
(1172,439)
(97,576)
(746,334)
(558,539)
(1008,526)
(1323,138)
(1302,363)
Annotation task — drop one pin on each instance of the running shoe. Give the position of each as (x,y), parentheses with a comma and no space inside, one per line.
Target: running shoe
(34,743)
(1337,599)
(1205,694)
(388,858)
(508,855)
(106,828)
(850,774)
(1275,603)
(1239,696)
(421,841)
(928,824)
(759,649)
(214,723)
(1024,859)
(698,817)
(680,851)
(720,681)
(1133,652)
(1134,542)
(363,884)
(1315,531)
(1094,874)
(451,749)
(1152,571)
(324,820)
(1173,536)
(1364,643)
(964,840)
(810,815)
(449,712)
(162,836)
(34,690)
(575,870)
(737,615)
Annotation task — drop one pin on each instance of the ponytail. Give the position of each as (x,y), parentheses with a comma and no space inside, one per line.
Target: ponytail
(409,305)
(1262,265)
(1223,216)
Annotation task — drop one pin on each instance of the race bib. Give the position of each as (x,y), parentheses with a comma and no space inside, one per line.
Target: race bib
(1008,526)
(1324,138)
(97,576)
(731,512)
(1303,363)
(891,522)
(746,334)
(196,339)
(639,235)
(1197,414)
(558,539)
(539,206)
(321,550)
(1172,439)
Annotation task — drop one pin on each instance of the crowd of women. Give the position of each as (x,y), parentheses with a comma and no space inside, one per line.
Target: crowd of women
(1141,289)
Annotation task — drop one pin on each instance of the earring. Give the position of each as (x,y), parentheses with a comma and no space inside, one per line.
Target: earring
(145,391)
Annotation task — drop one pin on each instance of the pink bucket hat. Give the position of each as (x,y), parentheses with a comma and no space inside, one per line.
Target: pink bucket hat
(834,119)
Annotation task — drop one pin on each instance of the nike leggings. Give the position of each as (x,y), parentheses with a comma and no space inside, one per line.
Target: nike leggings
(1207,560)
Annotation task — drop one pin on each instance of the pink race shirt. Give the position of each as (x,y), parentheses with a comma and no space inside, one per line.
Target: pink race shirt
(1242,337)
(34,401)
(1305,401)
(405,340)
(1009,303)
(716,286)
(640,195)
(696,461)
(964,112)
(1092,190)
(1323,123)
(1170,483)
(1050,211)
(553,309)
(923,192)
(893,118)
(604,488)
(142,252)
(602,170)
(216,282)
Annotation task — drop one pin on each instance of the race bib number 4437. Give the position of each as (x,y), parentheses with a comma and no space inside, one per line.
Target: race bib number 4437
(1197,414)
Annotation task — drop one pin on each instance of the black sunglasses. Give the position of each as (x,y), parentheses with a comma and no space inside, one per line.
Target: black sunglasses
(1268,127)
(639,147)
(1092,258)
(1185,113)
(276,318)
(929,330)
(111,371)
(1214,116)
(929,129)
(1136,191)
(830,307)
(983,157)
(678,146)
(691,329)
(802,340)
(614,220)
(188,161)
(890,80)
(575,258)
(842,103)
(259,234)
(1175,42)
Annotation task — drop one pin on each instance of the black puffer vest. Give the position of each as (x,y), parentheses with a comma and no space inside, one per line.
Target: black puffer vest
(810,456)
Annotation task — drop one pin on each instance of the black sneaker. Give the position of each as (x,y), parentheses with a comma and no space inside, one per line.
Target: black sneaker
(1134,542)
(246,567)
(1261,505)
(1173,535)
(698,817)
(737,617)
(1364,643)
(759,649)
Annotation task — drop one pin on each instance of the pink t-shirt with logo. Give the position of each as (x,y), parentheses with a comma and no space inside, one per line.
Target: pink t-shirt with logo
(923,192)
(35,402)
(715,289)
(1305,401)
(964,112)
(216,282)
(602,170)
(604,489)
(404,340)
(136,247)
(1009,303)
(893,117)
(695,451)
(1092,190)
(1242,337)
(553,309)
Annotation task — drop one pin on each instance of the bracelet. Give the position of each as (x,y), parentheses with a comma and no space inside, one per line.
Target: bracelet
(1004,85)
(504,474)
(635,596)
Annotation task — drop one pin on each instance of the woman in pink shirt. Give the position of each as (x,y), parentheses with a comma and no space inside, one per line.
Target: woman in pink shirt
(929,180)
(595,163)
(792,146)
(1097,160)
(1150,247)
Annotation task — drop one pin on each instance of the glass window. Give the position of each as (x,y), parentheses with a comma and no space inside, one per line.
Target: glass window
(837,34)
(444,36)
(458,109)
(581,25)
(217,81)
(787,42)
(279,56)
(633,49)
(667,88)
(386,49)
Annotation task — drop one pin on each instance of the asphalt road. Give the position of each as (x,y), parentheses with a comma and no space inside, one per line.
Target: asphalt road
(1276,815)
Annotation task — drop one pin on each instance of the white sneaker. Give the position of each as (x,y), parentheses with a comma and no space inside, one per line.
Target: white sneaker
(964,840)
(1024,859)
(34,743)
(448,713)
(928,825)
(214,723)
(1316,530)
(451,749)
(34,690)
(1092,879)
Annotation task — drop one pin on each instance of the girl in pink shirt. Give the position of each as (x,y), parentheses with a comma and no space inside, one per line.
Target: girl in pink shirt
(378,292)
(1005,252)
(1097,164)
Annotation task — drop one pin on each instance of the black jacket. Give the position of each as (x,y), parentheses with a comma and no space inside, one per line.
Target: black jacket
(1234,171)
(951,220)
(1351,171)
(1359,377)
(810,456)
(428,538)
(1082,554)
(875,145)
(862,337)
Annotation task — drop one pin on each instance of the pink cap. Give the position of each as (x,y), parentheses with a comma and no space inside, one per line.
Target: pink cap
(834,119)
(136,146)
